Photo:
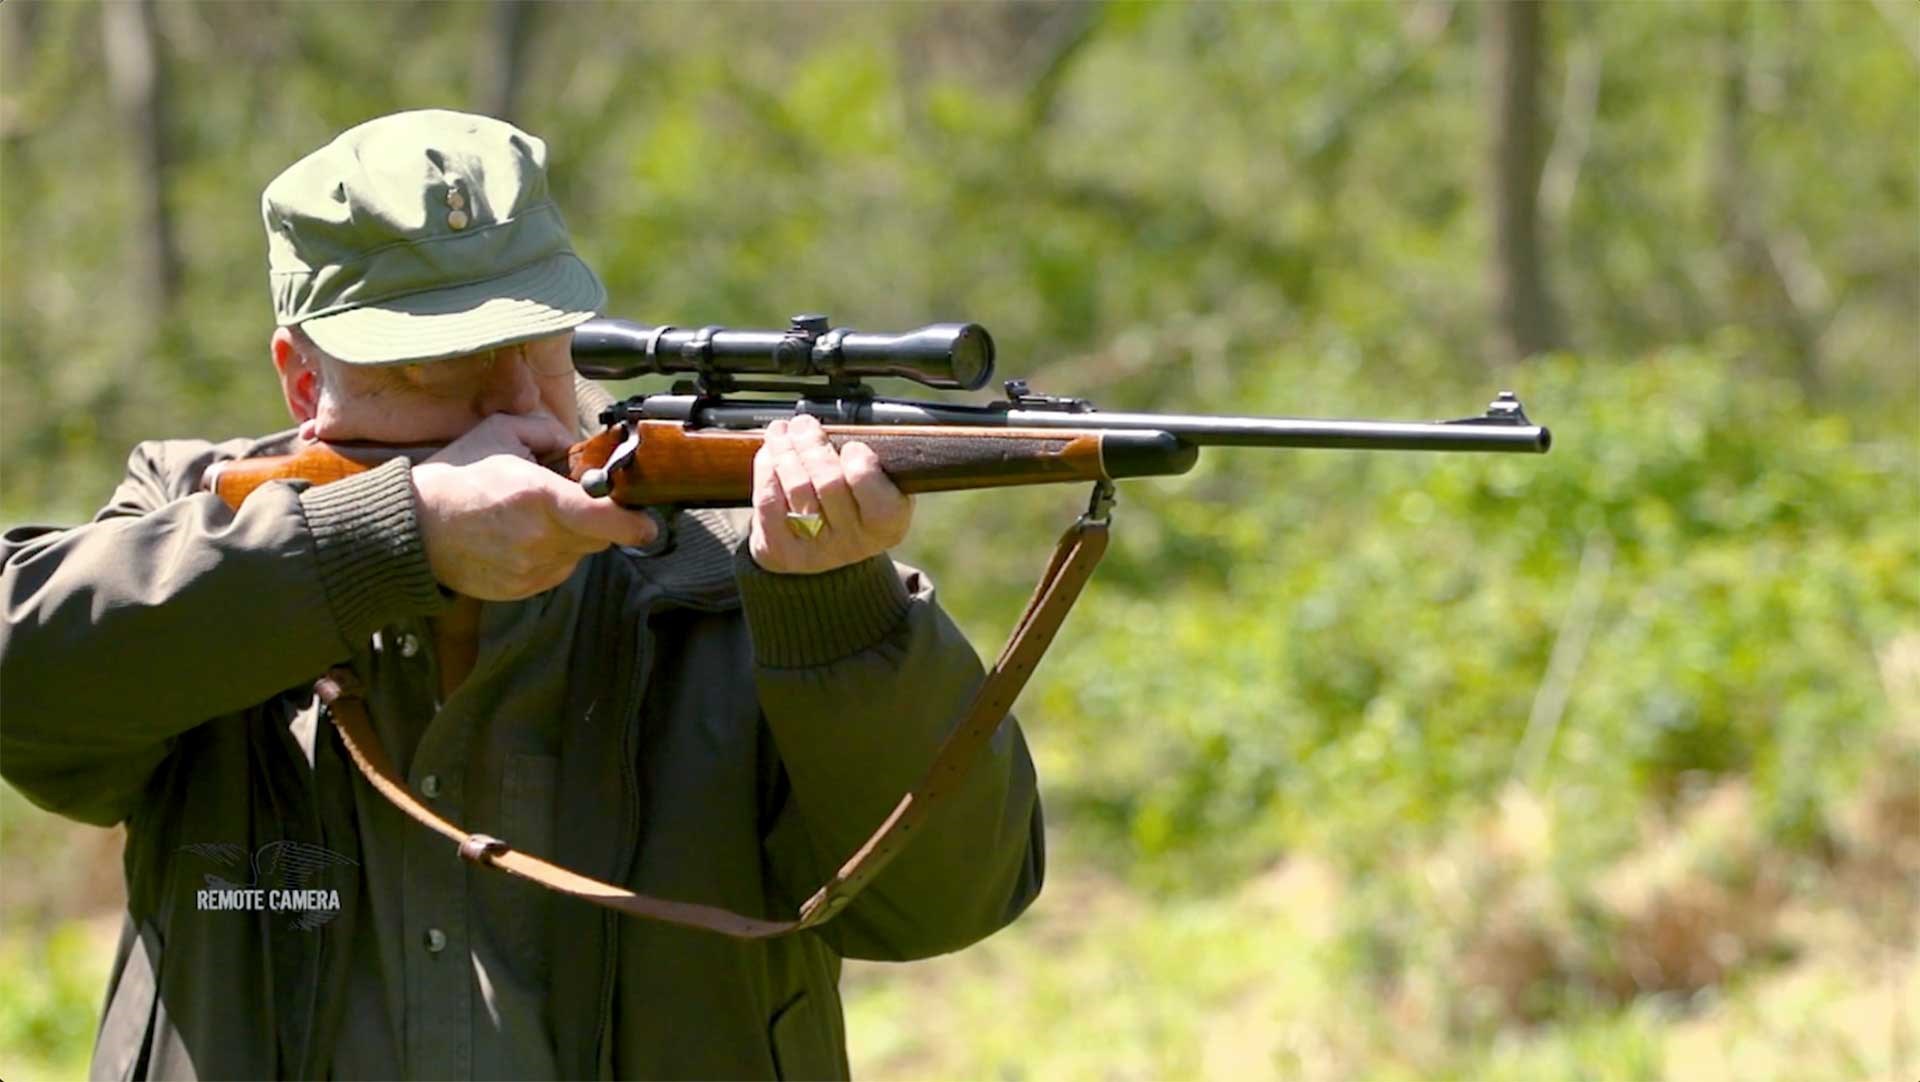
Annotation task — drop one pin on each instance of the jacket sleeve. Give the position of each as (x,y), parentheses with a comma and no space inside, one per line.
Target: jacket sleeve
(861,676)
(169,609)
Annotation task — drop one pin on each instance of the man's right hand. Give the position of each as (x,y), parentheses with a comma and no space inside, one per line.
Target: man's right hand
(498,526)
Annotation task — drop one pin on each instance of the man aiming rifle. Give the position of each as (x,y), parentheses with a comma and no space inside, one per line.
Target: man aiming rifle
(721,724)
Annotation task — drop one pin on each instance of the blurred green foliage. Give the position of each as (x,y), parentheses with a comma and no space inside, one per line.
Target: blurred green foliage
(1220,180)
(1197,208)
(1354,654)
(47,1015)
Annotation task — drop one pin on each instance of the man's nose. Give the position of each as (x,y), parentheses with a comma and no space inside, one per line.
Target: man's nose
(510,387)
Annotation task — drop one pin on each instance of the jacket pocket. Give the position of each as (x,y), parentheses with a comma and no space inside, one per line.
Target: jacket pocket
(126,1032)
(801,1044)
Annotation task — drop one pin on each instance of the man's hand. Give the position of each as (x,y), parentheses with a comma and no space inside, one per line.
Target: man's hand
(862,513)
(498,526)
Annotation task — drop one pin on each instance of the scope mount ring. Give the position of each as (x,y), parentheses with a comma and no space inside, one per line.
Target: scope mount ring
(698,352)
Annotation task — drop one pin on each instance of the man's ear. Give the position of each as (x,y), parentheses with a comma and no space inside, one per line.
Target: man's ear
(299,375)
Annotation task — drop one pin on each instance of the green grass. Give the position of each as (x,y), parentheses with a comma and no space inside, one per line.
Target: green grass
(1101,982)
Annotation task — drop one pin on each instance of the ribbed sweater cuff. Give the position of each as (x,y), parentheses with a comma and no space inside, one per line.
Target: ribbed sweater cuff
(373,563)
(799,621)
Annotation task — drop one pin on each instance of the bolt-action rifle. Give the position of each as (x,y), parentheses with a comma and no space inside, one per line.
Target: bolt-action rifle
(694,447)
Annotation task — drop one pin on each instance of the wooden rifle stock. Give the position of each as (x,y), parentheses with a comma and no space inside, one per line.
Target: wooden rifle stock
(712,467)
(317,464)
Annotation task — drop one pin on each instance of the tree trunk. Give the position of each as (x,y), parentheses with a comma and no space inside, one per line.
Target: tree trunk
(1761,271)
(1525,322)
(136,75)
(19,25)
(501,72)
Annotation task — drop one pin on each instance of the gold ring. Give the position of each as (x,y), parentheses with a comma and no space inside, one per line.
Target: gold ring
(805,526)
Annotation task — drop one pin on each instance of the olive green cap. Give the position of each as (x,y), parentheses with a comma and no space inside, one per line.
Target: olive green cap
(421,236)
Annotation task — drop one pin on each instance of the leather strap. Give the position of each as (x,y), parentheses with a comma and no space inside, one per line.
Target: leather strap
(1079,550)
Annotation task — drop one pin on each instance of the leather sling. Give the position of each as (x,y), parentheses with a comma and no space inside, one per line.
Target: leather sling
(1074,557)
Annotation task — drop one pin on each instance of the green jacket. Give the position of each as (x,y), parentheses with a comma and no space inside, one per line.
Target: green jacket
(153,663)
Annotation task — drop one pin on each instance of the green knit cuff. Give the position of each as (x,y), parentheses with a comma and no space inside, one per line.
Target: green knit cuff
(373,563)
(800,621)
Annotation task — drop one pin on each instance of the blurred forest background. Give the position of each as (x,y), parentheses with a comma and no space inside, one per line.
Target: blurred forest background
(1596,765)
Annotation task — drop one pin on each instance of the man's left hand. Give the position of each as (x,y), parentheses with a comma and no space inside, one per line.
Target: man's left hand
(798,471)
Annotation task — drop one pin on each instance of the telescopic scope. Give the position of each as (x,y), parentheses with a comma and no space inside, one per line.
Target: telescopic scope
(951,356)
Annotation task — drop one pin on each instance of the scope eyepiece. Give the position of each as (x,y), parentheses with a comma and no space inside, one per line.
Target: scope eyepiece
(953,356)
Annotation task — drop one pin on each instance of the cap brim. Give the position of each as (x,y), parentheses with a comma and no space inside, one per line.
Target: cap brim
(556,294)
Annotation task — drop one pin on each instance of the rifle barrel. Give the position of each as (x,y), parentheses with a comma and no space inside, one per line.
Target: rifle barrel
(1307,432)
(1477,434)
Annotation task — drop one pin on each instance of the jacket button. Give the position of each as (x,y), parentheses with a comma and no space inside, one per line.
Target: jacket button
(430,785)
(436,941)
(409,645)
